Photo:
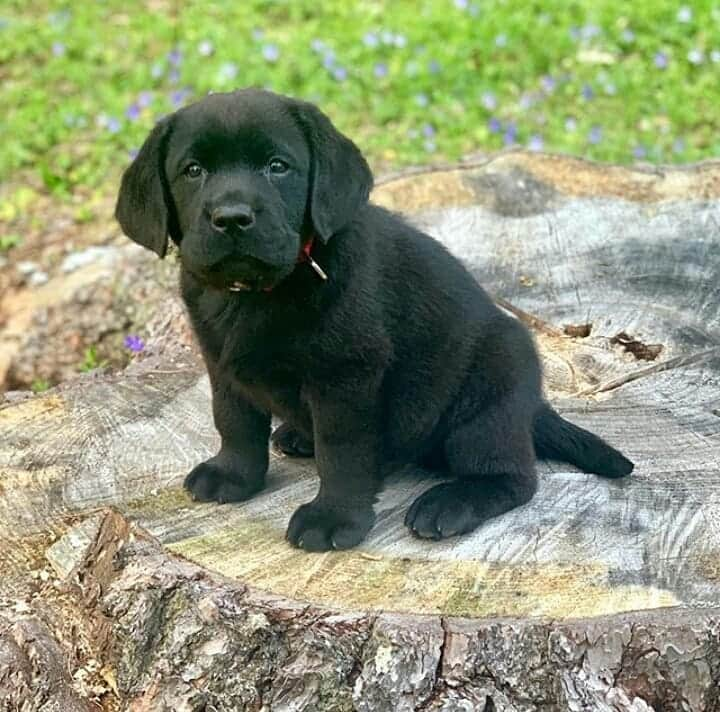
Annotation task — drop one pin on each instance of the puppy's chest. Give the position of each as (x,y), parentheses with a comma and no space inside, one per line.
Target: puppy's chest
(250,345)
(266,369)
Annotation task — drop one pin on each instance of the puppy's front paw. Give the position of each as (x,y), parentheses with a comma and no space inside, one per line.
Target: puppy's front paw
(317,528)
(442,511)
(209,482)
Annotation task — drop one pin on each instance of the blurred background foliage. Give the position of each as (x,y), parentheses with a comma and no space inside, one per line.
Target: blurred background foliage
(410,81)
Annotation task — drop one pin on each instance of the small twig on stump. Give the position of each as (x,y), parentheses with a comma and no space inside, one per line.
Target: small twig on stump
(529,319)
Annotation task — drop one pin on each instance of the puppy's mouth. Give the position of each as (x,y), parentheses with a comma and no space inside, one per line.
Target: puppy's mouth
(249,275)
(240,287)
(251,286)
(239,275)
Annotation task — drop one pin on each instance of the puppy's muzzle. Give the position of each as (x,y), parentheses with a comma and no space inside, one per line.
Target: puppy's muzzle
(231,218)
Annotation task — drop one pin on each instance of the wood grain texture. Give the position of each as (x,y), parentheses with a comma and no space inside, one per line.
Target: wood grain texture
(563,242)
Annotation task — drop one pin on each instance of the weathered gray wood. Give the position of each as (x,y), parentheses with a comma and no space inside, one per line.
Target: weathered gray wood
(632,565)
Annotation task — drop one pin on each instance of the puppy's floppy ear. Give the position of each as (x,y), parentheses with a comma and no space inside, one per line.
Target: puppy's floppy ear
(340,178)
(143,208)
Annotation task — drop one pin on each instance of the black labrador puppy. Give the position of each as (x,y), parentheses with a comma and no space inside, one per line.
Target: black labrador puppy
(374,345)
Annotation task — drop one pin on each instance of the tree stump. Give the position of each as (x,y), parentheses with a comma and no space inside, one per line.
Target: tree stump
(597,595)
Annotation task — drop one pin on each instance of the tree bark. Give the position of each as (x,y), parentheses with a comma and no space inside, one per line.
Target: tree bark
(185,639)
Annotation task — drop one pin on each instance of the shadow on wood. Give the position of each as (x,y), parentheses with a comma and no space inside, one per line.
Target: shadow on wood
(597,595)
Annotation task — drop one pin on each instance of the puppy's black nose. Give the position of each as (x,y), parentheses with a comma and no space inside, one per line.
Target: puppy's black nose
(227,217)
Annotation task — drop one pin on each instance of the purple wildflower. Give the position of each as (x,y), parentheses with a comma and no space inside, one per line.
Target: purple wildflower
(661,60)
(144,99)
(587,92)
(175,57)
(133,112)
(205,48)
(461,4)
(494,125)
(678,145)
(589,32)
(434,66)
(227,72)
(58,49)
(510,136)
(548,83)
(489,101)
(575,33)
(271,52)
(536,143)
(639,152)
(174,76)
(134,343)
(157,70)
(370,39)
(112,125)
(526,101)
(595,135)
(340,74)
(133,152)
(628,36)
(329,60)
(428,130)
(380,70)
(178,97)
(317,46)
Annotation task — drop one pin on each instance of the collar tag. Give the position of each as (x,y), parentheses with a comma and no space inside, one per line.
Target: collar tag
(318,269)
(305,257)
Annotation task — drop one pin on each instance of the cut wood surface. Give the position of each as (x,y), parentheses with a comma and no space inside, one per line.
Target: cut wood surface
(629,257)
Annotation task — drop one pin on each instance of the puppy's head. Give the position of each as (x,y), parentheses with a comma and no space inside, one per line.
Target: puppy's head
(239,182)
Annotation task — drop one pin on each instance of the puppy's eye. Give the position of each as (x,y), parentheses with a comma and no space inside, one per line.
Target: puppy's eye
(278,166)
(193,170)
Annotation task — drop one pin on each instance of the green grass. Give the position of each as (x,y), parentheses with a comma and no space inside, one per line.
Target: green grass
(90,360)
(40,385)
(9,241)
(411,82)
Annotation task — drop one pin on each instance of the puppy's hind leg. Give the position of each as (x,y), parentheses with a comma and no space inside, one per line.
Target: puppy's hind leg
(290,441)
(493,459)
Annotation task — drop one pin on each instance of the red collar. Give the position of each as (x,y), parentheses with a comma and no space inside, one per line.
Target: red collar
(304,256)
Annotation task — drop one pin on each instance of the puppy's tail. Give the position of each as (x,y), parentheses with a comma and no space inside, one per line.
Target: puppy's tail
(559,439)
